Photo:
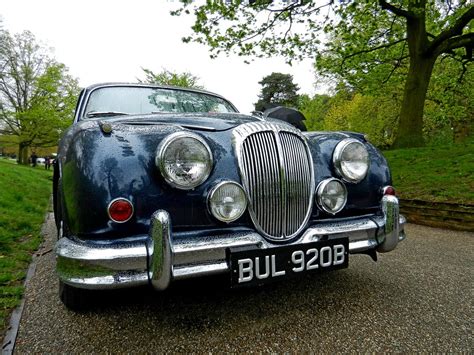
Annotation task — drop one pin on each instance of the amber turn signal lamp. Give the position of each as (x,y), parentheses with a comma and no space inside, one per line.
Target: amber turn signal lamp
(120,210)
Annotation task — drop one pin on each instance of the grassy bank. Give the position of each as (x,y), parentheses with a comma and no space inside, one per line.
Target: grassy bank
(24,198)
(442,174)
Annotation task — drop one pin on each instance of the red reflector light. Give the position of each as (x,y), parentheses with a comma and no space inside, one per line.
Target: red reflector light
(389,190)
(120,210)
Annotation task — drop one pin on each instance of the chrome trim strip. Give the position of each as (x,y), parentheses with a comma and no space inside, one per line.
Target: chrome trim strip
(402,236)
(116,281)
(345,227)
(196,250)
(389,238)
(362,245)
(190,271)
(160,250)
(95,266)
(110,256)
(283,186)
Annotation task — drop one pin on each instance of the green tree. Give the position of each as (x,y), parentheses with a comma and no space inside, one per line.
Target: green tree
(279,89)
(167,77)
(315,110)
(37,95)
(362,35)
(337,115)
(373,116)
(449,111)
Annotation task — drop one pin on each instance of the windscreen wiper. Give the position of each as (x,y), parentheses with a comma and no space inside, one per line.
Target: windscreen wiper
(105,113)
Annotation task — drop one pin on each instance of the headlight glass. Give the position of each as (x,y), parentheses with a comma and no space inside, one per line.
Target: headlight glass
(227,201)
(351,160)
(331,195)
(184,159)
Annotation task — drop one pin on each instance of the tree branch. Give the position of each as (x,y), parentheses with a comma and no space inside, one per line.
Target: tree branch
(455,30)
(464,70)
(289,26)
(316,9)
(263,30)
(9,92)
(387,45)
(397,64)
(12,125)
(395,10)
(461,41)
(290,7)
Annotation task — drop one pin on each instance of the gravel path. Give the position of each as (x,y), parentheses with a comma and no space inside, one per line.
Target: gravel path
(417,298)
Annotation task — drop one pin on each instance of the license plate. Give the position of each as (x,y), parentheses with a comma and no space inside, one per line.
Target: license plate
(253,266)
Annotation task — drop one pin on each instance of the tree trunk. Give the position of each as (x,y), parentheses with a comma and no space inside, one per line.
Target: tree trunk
(23,153)
(410,124)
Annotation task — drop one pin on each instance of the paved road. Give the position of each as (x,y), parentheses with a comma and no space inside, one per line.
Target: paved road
(417,298)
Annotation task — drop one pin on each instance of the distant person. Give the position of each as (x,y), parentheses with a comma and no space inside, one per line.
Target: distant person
(34,157)
(47,163)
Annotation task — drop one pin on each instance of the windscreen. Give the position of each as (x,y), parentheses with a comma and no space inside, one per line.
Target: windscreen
(145,100)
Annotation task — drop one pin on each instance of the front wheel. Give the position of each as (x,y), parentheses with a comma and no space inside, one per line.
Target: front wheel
(76,299)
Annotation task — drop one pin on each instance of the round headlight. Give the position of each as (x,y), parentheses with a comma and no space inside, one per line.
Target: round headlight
(184,159)
(227,201)
(351,160)
(331,195)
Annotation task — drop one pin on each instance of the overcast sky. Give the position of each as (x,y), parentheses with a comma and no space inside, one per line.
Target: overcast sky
(105,40)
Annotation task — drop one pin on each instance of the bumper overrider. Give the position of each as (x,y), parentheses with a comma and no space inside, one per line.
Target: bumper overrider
(159,257)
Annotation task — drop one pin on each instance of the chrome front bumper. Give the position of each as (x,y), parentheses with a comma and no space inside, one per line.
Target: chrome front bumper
(158,258)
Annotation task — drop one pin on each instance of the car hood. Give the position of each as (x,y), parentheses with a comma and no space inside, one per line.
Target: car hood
(197,121)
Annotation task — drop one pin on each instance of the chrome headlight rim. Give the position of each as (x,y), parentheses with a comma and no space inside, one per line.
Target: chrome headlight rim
(321,187)
(337,159)
(214,190)
(159,161)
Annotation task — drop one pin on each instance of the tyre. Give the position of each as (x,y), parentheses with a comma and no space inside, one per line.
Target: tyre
(76,299)
(56,207)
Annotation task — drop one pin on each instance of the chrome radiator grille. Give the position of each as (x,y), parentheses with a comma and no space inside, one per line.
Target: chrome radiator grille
(277,173)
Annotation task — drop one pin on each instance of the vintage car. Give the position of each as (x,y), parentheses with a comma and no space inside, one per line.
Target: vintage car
(155,184)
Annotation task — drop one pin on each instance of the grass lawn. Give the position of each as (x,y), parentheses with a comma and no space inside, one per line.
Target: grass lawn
(24,199)
(442,174)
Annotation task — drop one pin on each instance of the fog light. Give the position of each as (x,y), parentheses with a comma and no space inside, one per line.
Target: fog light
(331,195)
(120,210)
(227,201)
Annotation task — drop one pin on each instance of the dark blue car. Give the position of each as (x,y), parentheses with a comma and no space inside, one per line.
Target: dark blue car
(155,184)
